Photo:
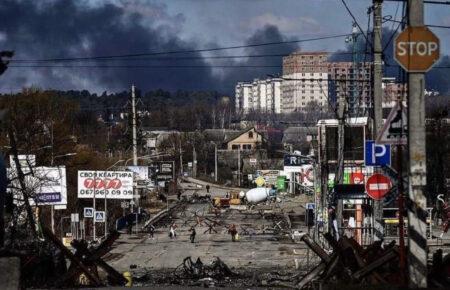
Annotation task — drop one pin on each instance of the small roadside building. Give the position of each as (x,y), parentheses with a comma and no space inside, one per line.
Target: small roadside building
(249,139)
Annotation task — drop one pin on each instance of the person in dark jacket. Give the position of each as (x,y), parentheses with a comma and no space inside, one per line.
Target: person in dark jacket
(151,231)
(193,233)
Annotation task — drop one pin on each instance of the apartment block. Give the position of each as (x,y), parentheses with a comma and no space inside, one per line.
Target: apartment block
(352,83)
(305,83)
(259,95)
(315,79)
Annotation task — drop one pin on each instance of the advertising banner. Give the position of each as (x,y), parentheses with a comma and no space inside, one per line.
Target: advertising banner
(47,185)
(307,175)
(270,176)
(294,163)
(113,184)
(26,162)
(166,170)
(141,172)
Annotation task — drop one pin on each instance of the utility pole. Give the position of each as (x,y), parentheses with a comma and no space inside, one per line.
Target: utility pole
(377,103)
(417,257)
(93,206)
(194,161)
(133,112)
(181,160)
(52,207)
(339,178)
(215,162)
(292,187)
(353,99)
(135,157)
(239,166)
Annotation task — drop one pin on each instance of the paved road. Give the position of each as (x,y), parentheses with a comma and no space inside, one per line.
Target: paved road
(256,251)
(191,185)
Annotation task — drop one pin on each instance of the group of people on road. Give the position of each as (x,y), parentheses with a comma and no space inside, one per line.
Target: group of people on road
(232,230)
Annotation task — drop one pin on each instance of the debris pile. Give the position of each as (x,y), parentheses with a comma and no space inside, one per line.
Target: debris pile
(351,264)
(197,273)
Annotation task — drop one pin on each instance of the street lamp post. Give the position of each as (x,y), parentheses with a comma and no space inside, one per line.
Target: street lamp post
(106,210)
(135,200)
(52,212)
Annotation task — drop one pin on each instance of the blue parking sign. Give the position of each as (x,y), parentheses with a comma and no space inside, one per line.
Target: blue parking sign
(377,154)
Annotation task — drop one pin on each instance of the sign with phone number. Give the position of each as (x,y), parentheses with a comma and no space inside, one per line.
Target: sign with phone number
(113,184)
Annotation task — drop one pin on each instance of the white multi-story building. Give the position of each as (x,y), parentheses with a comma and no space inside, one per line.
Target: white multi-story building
(259,95)
(243,95)
(305,77)
(300,90)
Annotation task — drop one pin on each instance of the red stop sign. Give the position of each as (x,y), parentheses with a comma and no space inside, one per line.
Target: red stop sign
(378,185)
(416,49)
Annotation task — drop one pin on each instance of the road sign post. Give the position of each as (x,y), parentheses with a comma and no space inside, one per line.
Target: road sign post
(88,212)
(376,154)
(378,185)
(395,130)
(416,49)
(99,216)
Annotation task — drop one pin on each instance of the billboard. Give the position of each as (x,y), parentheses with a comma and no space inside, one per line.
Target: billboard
(113,184)
(141,172)
(270,176)
(307,175)
(47,185)
(26,162)
(294,163)
(166,170)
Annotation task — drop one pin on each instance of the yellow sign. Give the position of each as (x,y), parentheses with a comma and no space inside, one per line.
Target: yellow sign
(260,181)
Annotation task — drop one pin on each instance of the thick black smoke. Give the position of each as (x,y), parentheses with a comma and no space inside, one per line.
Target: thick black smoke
(268,65)
(72,28)
(436,79)
(67,28)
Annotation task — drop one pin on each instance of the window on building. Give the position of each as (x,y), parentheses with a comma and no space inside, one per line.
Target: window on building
(247,146)
(250,135)
(235,146)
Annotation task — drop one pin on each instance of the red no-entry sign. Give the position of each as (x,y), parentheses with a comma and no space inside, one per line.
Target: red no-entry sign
(378,185)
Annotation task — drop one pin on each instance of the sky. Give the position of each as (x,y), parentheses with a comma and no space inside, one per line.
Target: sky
(49,29)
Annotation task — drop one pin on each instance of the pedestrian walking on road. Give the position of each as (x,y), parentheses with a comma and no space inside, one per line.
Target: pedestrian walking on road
(151,231)
(129,226)
(207,188)
(233,232)
(193,233)
(172,233)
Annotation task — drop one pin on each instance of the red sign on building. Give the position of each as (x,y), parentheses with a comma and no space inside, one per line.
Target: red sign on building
(378,185)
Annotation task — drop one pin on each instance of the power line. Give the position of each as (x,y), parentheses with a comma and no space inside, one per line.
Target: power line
(426,2)
(180,58)
(191,50)
(428,25)
(433,67)
(150,66)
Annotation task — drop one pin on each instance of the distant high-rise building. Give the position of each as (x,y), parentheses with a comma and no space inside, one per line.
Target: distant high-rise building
(243,97)
(393,92)
(316,80)
(259,95)
(310,81)
(351,83)
(305,83)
